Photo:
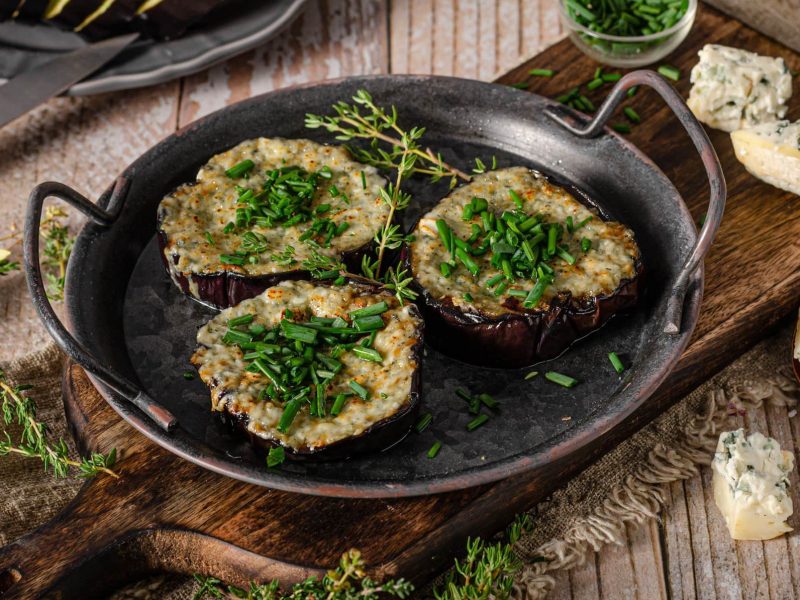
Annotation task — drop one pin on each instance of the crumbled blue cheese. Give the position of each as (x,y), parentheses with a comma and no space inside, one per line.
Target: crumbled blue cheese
(771,152)
(751,481)
(734,89)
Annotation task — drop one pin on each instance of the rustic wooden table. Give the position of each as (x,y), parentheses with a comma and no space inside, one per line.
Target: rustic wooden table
(84,142)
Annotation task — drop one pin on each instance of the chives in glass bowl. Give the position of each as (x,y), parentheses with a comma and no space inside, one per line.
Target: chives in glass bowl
(627,33)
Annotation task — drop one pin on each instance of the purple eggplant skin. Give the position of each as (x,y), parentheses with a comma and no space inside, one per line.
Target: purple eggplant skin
(523,337)
(228,288)
(380,436)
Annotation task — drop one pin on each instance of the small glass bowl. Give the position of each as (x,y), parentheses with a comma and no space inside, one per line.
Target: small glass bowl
(624,51)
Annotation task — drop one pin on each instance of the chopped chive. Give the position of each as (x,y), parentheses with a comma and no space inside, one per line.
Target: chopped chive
(467,297)
(586,244)
(587,103)
(369,323)
(493,281)
(670,72)
(632,114)
(276,456)
(374,309)
(369,354)
(434,449)
(240,169)
(446,269)
(477,422)
(621,127)
(468,262)
(210,239)
(242,320)
(562,380)
(598,72)
(594,84)
(363,180)
(515,197)
(188,375)
(520,85)
(632,91)
(611,77)
(488,400)
(463,395)
(301,333)
(530,375)
(616,362)
(338,404)
(445,233)
(541,72)
(359,389)
(566,256)
(289,413)
(423,422)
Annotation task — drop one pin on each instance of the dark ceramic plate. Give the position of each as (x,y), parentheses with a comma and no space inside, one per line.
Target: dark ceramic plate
(148,62)
(124,310)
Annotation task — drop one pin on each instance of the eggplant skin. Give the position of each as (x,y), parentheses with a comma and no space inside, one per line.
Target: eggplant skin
(521,338)
(228,288)
(378,437)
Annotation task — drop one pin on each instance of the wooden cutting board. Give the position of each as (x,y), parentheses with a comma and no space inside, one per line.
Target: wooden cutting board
(166,514)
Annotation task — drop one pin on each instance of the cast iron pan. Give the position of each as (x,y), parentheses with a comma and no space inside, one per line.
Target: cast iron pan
(134,331)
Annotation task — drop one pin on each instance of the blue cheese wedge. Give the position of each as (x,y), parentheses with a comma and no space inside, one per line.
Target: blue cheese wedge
(771,152)
(751,481)
(734,89)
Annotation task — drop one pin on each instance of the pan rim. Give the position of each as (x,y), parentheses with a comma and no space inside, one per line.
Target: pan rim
(561,446)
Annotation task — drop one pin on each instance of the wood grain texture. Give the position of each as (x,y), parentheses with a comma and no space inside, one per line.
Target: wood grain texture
(460,37)
(776,18)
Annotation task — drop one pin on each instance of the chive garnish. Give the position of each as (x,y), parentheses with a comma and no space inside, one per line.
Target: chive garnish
(632,91)
(611,77)
(515,197)
(367,353)
(520,85)
(276,456)
(463,395)
(301,333)
(434,449)
(359,389)
(467,297)
(594,84)
(188,375)
(541,72)
(562,380)
(363,180)
(423,422)
(670,72)
(488,400)
(446,269)
(210,239)
(368,311)
(368,323)
(586,244)
(477,422)
(289,413)
(621,127)
(338,404)
(242,320)
(240,169)
(632,114)
(530,375)
(232,259)
(616,362)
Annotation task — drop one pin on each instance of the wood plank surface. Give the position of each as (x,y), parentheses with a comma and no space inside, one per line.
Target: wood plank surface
(83,142)
(776,18)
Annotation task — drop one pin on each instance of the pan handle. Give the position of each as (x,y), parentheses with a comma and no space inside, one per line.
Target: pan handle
(55,327)
(716,179)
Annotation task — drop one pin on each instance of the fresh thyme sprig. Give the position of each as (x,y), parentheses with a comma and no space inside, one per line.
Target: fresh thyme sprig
(57,247)
(18,407)
(347,582)
(488,570)
(6,264)
(379,124)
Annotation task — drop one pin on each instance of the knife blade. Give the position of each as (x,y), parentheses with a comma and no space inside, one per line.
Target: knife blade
(29,89)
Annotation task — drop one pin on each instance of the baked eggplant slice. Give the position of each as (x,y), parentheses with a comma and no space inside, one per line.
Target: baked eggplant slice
(512,269)
(324,371)
(169,19)
(259,210)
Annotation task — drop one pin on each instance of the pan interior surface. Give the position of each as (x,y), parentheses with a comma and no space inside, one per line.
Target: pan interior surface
(154,325)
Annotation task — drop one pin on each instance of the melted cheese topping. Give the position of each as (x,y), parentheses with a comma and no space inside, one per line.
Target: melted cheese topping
(771,152)
(222,367)
(611,260)
(208,205)
(733,89)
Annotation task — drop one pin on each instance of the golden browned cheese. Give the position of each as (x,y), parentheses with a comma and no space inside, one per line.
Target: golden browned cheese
(611,260)
(193,212)
(222,367)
